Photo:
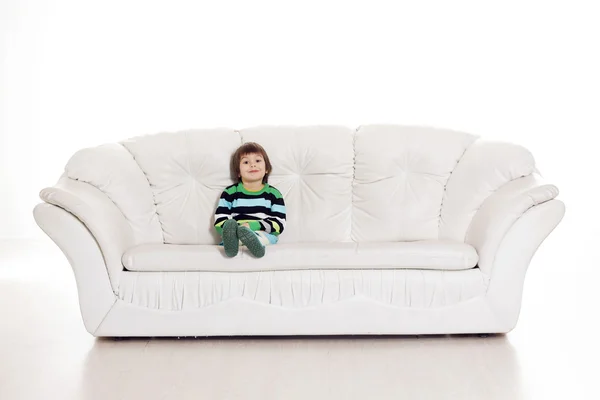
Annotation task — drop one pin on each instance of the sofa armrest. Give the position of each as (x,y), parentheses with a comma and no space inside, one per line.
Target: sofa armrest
(100,215)
(500,211)
(74,239)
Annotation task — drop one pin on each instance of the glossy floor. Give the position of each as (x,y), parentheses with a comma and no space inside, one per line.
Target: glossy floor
(45,351)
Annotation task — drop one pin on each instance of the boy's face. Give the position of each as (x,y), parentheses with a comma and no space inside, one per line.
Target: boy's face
(252,168)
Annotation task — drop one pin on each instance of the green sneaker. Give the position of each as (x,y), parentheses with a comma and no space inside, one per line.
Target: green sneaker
(251,241)
(230,238)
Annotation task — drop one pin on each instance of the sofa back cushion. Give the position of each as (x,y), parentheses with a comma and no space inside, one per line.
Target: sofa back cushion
(400,176)
(313,170)
(188,170)
(376,183)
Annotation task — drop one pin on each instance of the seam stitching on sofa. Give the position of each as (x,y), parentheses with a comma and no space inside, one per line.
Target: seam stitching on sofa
(162,231)
(91,233)
(352,187)
(188,158)
(107,195)
(448,180)
(106,315)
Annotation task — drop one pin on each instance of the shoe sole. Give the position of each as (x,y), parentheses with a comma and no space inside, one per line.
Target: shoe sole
(230,239)
(250,240)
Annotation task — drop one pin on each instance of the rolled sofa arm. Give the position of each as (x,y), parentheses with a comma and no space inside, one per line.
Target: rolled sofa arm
(100,215)
(500,211)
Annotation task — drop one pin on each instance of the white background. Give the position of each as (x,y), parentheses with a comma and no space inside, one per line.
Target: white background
(78,74)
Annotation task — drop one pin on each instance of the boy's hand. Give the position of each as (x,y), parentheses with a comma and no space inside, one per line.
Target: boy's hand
(246,225)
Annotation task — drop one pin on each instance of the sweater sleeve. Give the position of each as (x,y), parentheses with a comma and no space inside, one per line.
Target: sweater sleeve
(223,212)
(275,223)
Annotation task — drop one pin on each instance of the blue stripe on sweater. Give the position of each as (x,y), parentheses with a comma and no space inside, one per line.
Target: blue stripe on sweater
(258,202)
(278,208)
(224,203)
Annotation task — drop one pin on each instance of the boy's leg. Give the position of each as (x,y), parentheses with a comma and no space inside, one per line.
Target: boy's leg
(266,238)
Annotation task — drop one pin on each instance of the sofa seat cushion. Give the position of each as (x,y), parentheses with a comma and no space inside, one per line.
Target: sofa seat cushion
(424,254)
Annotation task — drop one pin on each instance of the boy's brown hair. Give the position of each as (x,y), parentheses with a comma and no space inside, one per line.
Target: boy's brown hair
(247,148)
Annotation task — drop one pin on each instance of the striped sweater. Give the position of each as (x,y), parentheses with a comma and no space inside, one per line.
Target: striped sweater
(263,210)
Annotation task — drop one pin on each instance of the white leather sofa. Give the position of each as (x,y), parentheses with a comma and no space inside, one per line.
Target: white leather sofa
(390,230)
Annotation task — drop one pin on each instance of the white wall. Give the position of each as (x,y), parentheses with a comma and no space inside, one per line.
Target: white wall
(77,74)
